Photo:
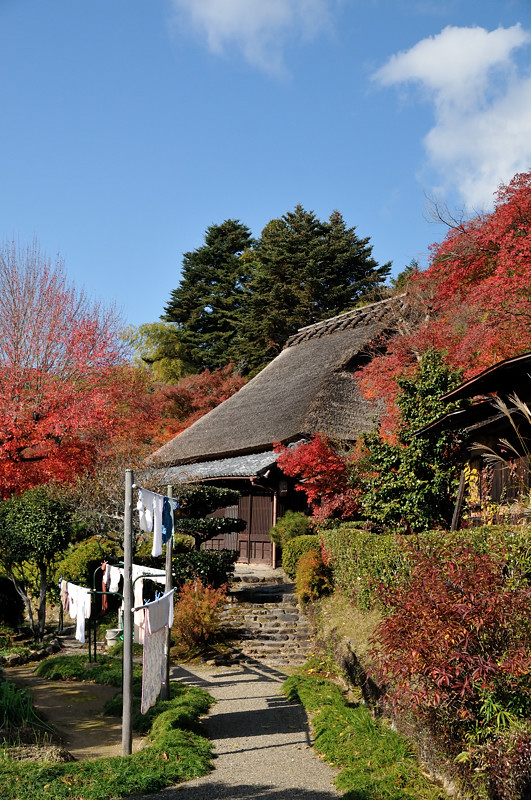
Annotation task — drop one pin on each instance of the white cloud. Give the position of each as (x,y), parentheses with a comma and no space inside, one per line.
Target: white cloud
(482,103)
(257,28)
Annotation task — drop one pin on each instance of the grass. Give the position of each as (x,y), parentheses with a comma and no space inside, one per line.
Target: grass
(375,762)
(17,712)
(106,670)
(338,617)
(175,751)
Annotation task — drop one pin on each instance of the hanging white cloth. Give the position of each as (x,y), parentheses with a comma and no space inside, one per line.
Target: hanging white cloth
(145,509)
(115,573)
(137,574)
(158,618)
(158,507)
(79,600)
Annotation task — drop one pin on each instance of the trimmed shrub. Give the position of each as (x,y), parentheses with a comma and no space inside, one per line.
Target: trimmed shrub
(197,616)
(294,549)
(361,561)
(292,524)
(211,567)
(313,578)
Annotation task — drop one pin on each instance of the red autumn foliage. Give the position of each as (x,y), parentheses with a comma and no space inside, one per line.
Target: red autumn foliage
(179,405)
(325,476)
(476,297)
(197,616)
(454,636)
(65,385)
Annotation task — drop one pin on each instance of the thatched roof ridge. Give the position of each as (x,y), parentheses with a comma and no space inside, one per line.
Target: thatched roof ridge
(391,310)
(309,387)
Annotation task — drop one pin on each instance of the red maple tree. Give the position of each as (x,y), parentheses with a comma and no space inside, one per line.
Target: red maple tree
(66,387)
(325,474)
(475,295)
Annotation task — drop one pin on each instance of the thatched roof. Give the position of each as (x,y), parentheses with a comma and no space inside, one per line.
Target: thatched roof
(308,388)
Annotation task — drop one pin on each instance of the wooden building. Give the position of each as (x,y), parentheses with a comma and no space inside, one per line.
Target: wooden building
(496,426)
(308,388)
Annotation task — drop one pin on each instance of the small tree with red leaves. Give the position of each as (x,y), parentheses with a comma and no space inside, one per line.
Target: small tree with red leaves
(177,406)
(328,475)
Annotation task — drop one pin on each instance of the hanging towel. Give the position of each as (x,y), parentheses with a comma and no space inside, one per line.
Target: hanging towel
(152,668)
(158,506)
(159,613)
(137,574)
(115,573)
(79,608)
(158,617)
(145,509)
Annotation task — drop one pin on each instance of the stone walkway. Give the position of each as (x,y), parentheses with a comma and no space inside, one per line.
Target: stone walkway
(262,742)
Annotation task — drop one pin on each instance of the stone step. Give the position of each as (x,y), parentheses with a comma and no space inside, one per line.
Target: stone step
(268,625)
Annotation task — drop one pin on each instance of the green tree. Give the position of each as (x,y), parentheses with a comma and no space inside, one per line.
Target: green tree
(195,503)
(412,482)
(400,283)
(160,346)
(205,304)
(35,528)
(304,271)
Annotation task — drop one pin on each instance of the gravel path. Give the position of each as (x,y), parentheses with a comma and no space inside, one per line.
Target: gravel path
(262,744)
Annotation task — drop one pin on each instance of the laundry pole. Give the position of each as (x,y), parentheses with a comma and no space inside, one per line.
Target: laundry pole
(165,692)
(127,687)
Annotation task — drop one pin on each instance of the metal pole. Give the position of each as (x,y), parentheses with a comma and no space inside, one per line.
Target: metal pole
(165,693)
(127,688)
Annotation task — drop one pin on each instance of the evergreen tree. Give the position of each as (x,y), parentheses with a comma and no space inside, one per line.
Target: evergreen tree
(210,293)
(412,482)
(195,503)
(304,271)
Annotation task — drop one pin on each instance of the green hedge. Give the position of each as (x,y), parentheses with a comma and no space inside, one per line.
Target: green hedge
(294,549)
(361,561)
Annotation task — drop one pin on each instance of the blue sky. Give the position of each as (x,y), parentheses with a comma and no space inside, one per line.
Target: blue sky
(129,126)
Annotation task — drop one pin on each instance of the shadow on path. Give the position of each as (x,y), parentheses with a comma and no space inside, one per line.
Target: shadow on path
(248,791)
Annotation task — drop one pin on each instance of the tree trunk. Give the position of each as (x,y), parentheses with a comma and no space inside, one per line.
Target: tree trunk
(21,590)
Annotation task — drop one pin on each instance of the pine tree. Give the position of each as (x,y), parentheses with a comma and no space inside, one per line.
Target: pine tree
(196,502)
(210,293)
(304,271)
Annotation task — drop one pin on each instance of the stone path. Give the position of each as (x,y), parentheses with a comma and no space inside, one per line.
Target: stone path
(262,742)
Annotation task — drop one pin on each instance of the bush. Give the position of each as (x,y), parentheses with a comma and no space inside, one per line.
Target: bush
(294,549)
(81,560)
(11,604)
(292,524)
(361,561)
(198,614)
(313,578)
(454,644)
(508,765)
(211,567)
